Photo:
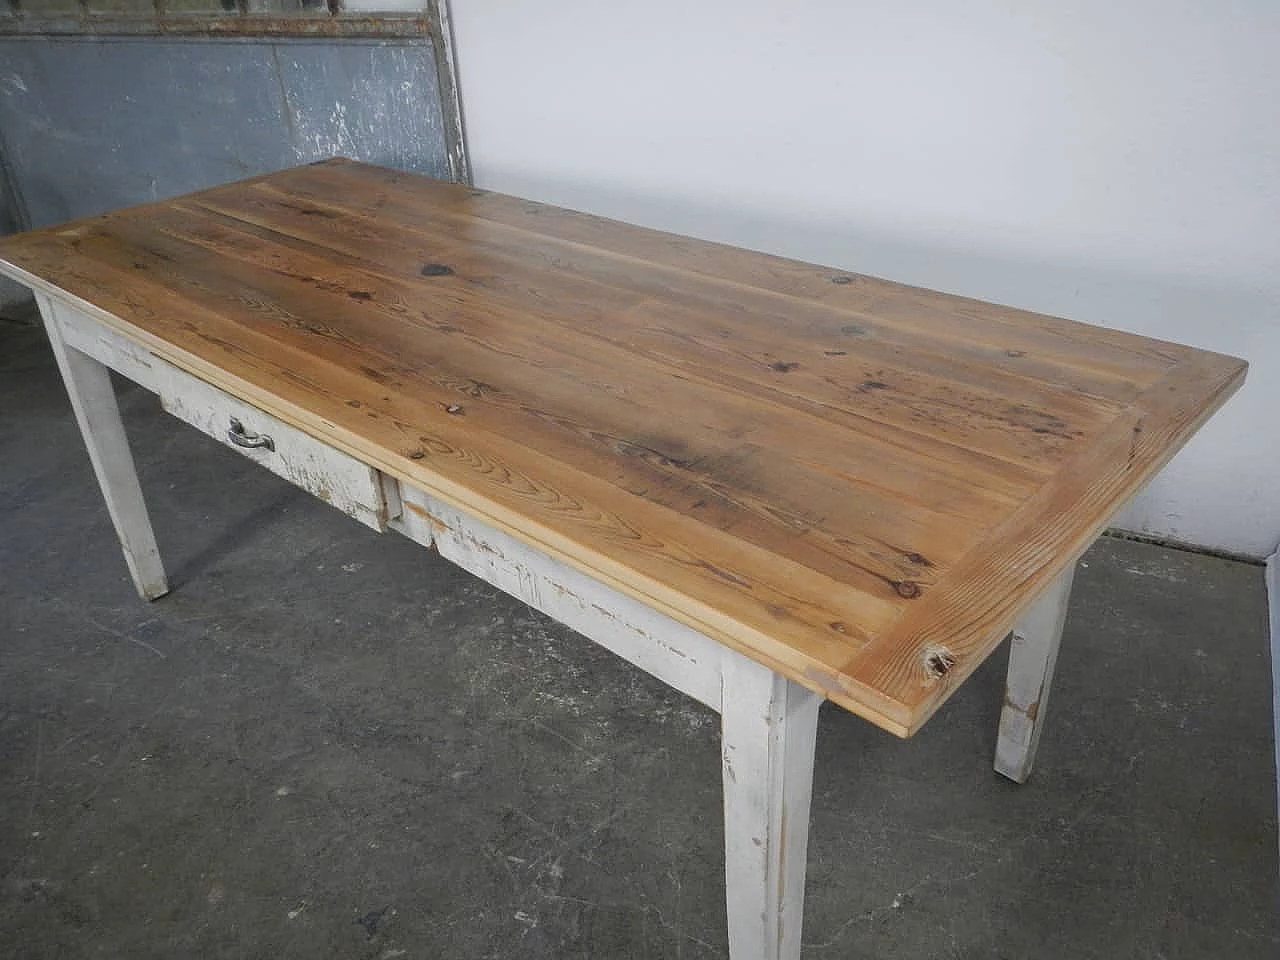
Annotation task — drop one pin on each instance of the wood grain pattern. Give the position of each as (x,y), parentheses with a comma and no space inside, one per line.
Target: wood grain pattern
(859,484)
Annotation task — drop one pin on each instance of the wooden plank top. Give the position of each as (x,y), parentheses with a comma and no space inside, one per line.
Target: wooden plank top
(858,483)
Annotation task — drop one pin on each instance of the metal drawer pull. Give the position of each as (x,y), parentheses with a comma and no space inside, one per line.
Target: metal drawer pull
(237,434)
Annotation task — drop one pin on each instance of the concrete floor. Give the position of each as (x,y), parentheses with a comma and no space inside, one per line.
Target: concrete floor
(329,743)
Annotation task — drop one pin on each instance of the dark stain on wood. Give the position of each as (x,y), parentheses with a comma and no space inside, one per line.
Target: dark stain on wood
(723,574)
(633,448)
(782,366)
(311,211)
(436,270)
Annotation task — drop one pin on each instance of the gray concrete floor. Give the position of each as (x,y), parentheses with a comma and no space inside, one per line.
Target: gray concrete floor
(329,743)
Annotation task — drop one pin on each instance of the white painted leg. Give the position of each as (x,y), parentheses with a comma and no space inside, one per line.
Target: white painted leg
(94,402)
(769,726)
(1033,653)
(1273,602)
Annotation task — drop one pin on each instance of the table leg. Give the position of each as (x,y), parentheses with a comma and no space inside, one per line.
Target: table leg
(769,727)
(94,402)
(1273,603)
(1033,653)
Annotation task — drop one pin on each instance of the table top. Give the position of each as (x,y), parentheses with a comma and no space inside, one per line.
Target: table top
(858,483)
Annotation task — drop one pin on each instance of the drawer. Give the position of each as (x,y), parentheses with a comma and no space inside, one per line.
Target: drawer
(354,488)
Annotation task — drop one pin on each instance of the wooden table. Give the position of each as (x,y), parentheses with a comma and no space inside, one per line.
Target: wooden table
(766,483)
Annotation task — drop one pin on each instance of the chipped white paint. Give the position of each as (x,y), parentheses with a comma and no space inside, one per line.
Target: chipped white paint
(336,478)
(94,401)
(1033,654)
(377,113)
(353,487)
(680,657)
(109,348)
(768,731)
(768,723)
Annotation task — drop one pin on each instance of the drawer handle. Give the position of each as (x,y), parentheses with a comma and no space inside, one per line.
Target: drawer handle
(241,437)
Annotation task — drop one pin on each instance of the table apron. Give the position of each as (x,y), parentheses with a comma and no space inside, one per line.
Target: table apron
(676,654)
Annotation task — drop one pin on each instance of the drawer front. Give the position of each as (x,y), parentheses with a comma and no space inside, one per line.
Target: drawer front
(340,480)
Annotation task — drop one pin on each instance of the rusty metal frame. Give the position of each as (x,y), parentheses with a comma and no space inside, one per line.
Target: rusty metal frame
(450,98)
(321,24)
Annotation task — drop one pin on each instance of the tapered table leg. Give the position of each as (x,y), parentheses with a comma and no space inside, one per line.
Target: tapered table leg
(1033,653)
(94,402)
(769,727)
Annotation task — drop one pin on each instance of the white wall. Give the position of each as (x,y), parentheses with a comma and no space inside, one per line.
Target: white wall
(1117,163)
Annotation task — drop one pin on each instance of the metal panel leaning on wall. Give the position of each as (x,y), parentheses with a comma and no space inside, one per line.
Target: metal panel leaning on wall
(103,112)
